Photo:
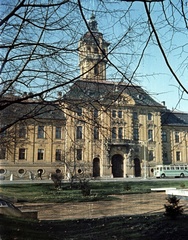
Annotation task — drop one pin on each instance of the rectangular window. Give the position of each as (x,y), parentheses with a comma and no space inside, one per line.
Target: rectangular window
(150,116)
(177,138)
(96,133)
(165,156)
(114,113)
(58,132)
(135,115)
(150,134)
(79,111)
(96,70)
(58,155)
(78,154)
(114,132)
(151,155)
(135,134)
(79,132)
(96,113)
(22,154)
(40,131)
(120,114)
(40,154)
(178,156)
(120,133)
(164,136)
(2,153)
(22,131)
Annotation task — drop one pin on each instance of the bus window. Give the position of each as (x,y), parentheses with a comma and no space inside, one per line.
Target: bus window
(182,168)
(185,168)
(177,168)
(167,168)
(172,168)
(161,168)
(164,168)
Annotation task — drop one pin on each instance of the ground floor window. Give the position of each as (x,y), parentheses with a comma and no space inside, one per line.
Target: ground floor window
(22,154)
(178,156)
(2,153)
(40,154)
(58,155)
(78,154)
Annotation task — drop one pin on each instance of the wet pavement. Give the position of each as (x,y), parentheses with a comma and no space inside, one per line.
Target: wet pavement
(130,204)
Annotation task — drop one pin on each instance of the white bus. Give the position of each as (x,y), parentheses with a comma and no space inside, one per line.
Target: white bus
(162,171)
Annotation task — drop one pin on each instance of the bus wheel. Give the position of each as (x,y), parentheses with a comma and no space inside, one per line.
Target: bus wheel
(163,175)
(181,175)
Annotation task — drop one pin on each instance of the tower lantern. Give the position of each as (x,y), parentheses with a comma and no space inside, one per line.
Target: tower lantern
(93,50)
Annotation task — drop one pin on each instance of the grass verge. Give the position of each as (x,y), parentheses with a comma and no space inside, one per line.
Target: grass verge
(99,190)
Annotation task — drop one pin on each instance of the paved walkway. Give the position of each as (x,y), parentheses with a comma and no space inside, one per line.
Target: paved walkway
(130,204)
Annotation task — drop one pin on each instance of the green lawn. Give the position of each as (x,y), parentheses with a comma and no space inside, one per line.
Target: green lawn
(41,192)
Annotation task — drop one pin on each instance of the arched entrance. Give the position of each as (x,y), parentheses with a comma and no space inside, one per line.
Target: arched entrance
(117,165)
(96,167)
(137,168)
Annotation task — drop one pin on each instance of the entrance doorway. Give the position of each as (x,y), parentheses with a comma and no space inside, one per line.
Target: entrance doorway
(137,168)
(117,165)
(96,167)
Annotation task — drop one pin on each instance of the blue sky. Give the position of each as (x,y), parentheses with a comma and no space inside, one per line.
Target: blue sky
(153,74)
(125,26)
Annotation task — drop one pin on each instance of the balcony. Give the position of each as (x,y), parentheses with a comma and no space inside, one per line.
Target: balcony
(122,142)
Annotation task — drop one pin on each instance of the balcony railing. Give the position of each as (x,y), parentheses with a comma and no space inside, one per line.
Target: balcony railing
(120,141)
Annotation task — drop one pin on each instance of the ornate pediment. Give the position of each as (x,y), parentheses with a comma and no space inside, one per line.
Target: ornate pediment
(125,99)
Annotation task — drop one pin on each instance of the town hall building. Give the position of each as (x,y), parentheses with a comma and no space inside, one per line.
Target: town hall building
(100,128)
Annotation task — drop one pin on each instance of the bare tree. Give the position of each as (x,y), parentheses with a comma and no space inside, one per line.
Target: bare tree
(39,44)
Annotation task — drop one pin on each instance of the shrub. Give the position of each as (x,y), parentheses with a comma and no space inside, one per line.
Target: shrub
(127,187)
(57,178)
(85,188)
(182,185)
(172,209)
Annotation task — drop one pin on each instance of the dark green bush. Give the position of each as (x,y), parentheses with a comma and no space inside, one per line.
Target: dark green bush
(85,188)
(172,209)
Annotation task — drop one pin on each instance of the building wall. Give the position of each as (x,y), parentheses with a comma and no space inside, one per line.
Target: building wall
(176,145)
(30,164)
(103,150)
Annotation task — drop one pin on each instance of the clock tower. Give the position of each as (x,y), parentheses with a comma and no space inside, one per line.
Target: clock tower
(93,50)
